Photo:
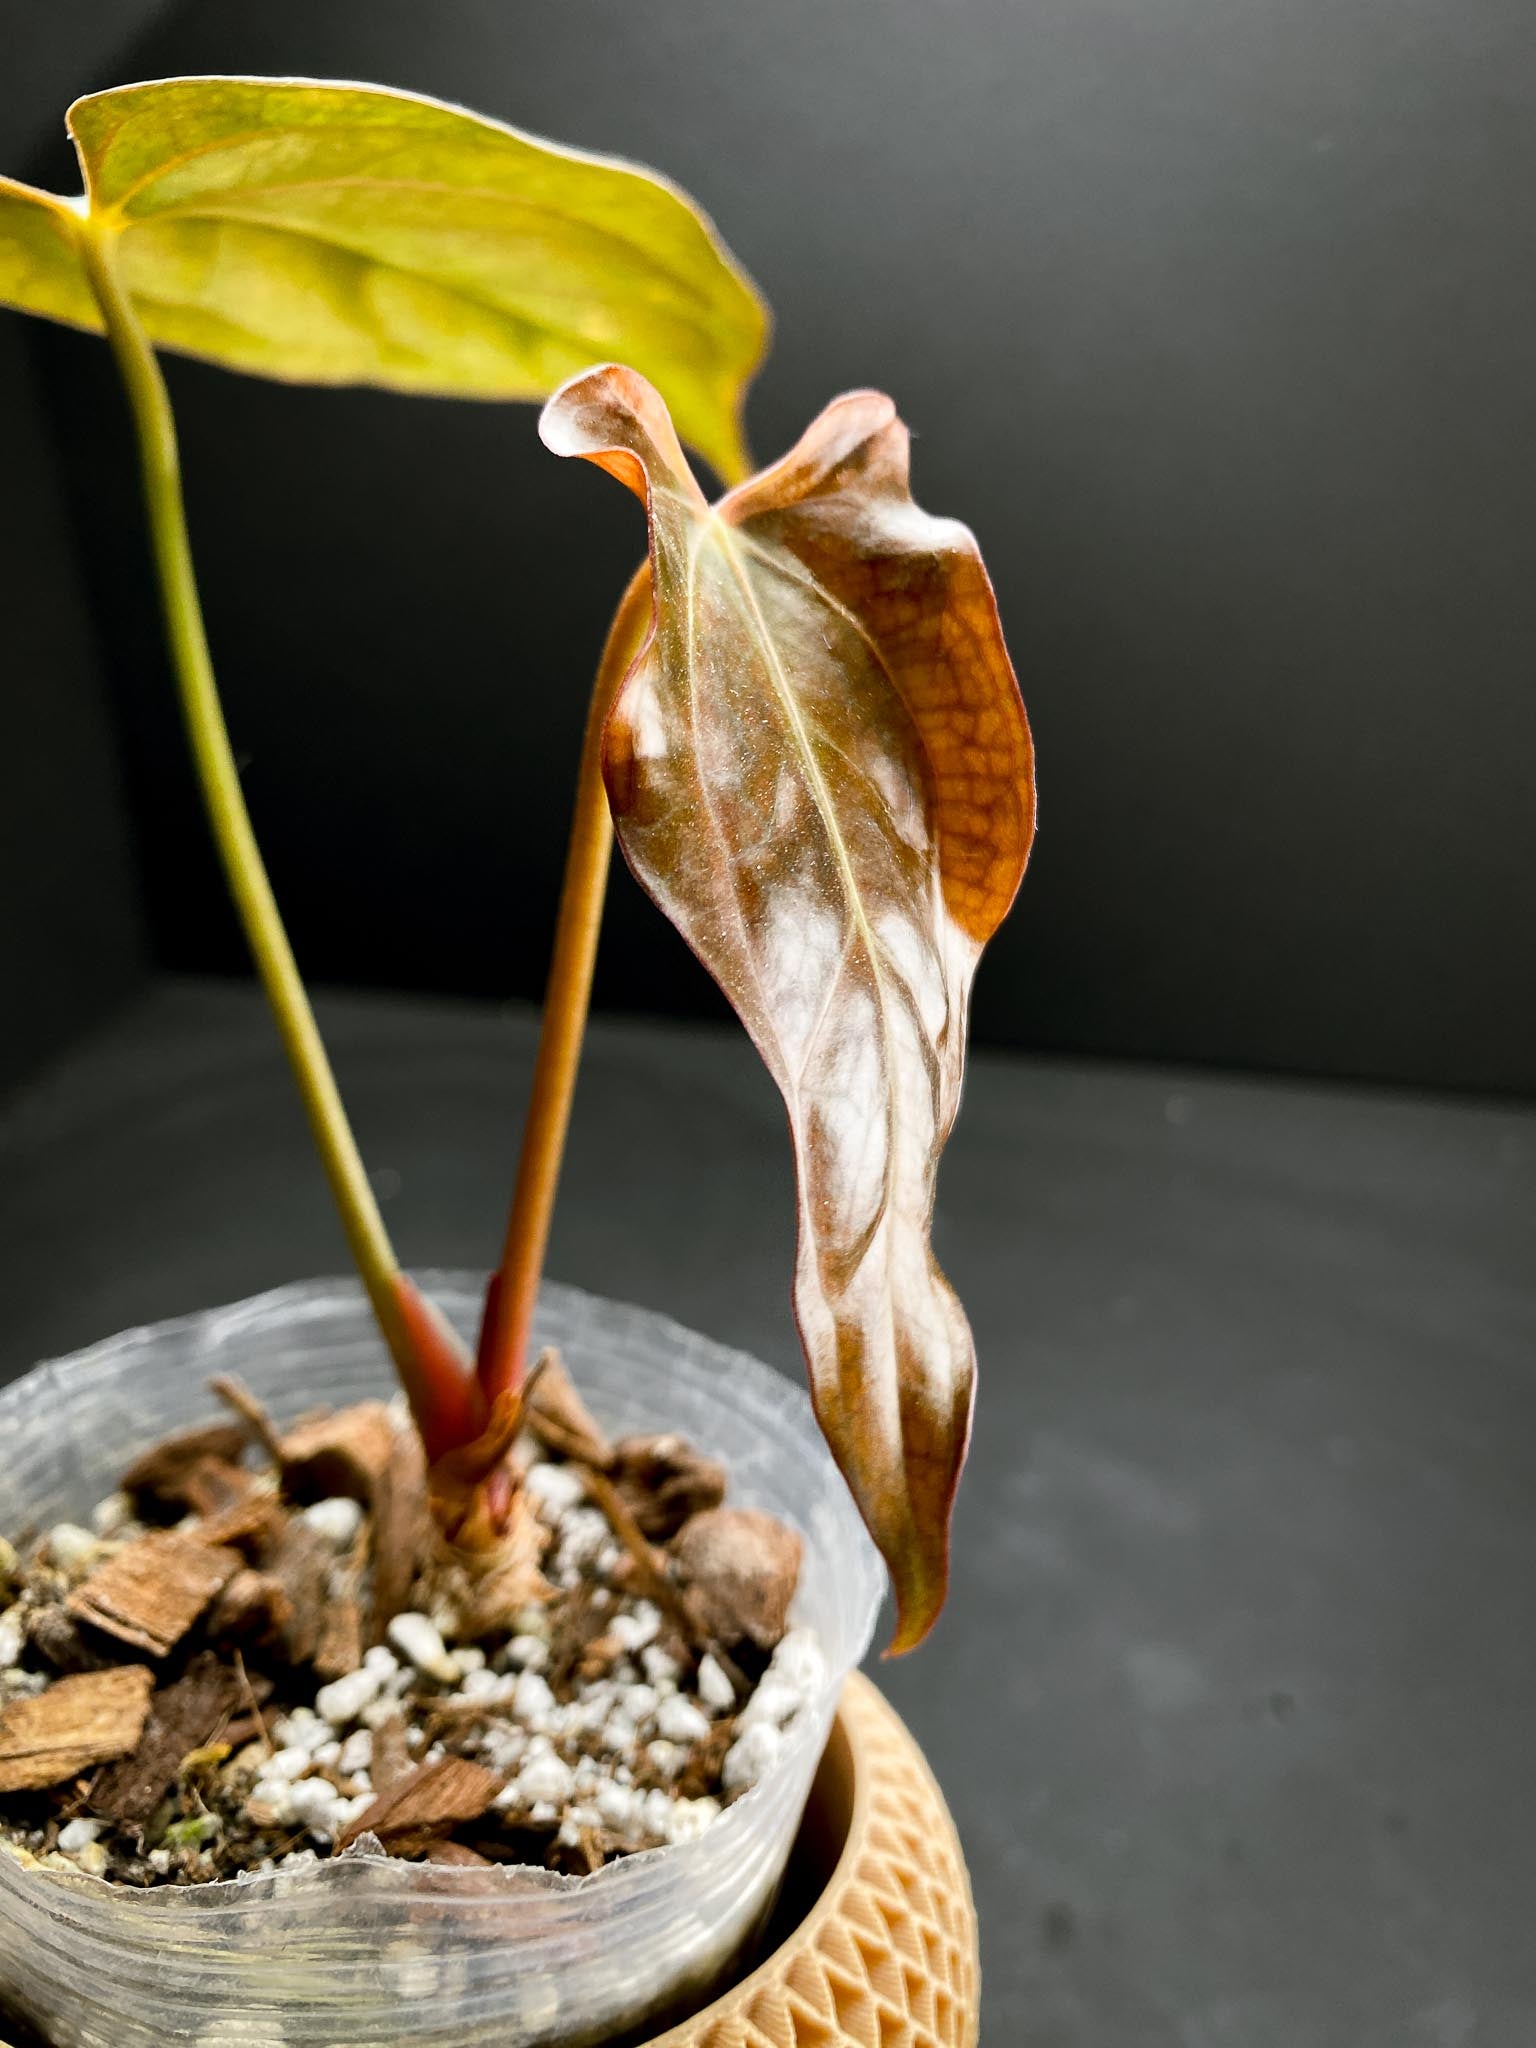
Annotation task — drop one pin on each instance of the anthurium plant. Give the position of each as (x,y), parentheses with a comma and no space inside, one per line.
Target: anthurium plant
(805,727)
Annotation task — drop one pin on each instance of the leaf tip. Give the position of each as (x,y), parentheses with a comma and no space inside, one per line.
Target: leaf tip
(920,1581)
(616,418)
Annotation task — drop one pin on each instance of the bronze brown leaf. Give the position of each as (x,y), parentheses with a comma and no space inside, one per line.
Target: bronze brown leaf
(820,768)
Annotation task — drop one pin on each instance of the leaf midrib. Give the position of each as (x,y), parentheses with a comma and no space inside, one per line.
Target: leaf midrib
(726,537)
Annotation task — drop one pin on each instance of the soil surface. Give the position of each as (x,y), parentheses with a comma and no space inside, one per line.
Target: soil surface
(262,1650)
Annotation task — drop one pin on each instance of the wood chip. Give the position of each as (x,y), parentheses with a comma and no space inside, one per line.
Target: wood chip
(214,1485)
(162,1473)
(665,1482)
(400,1527)
(251,1523)
(154,1589)
(392,1759)
(78,1722)
(182,1718)
(54,1636)
(577,1625)
(300,1561)
(345,1453)
(559,1418)
(741,1567)
(340,1648)
(599,1657)
(361,1452)
(253,1609)
(258,1424)
(427,1802)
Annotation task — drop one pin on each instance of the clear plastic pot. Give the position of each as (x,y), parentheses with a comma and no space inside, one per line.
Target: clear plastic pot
(364,1949)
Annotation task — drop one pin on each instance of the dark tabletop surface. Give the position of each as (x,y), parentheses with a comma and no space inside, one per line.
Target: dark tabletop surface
(1235,1699)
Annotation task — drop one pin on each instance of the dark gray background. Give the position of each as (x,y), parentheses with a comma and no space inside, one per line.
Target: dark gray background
(1214,320)
(72,934)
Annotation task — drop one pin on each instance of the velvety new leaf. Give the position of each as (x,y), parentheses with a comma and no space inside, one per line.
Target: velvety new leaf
(346,234)
(820,768)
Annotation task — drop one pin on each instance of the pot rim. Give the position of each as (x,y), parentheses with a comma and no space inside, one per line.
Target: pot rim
(752,1383)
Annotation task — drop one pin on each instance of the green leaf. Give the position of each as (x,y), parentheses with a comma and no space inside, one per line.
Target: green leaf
(820,768)
(40,267)
(344,234)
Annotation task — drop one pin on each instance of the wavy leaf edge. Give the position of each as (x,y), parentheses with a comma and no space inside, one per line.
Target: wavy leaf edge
(914,1539)
(704,336)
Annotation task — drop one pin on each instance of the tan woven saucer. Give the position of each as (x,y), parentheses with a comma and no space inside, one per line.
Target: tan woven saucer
(886,1957)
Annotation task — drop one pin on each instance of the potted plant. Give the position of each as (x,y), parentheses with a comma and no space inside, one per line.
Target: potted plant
(490,1715)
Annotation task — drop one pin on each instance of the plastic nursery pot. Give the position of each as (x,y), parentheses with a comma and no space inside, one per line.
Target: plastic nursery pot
(364,1949)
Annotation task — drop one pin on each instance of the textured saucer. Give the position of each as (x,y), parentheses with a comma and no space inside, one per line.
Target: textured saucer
(886,1957)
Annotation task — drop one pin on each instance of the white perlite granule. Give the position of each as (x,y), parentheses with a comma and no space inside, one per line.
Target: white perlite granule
(615,1750)
(569,1764)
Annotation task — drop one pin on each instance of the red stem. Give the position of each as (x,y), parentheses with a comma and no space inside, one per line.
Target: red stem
(513,1291)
